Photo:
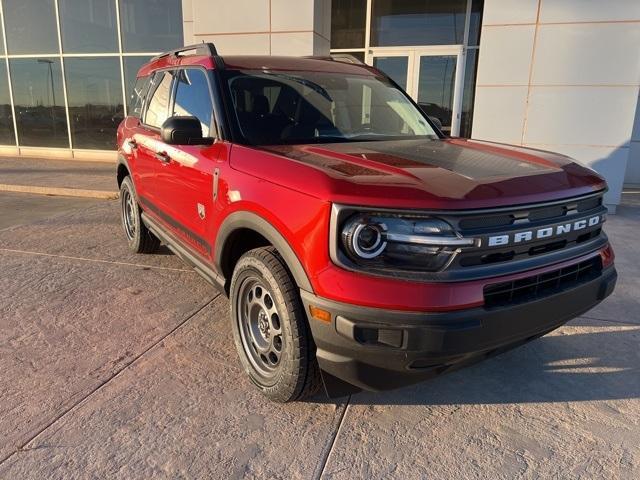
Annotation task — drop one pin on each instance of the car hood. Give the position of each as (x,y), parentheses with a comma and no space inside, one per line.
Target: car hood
(449,173)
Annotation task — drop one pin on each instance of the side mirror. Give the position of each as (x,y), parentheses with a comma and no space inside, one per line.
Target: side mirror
(183,131)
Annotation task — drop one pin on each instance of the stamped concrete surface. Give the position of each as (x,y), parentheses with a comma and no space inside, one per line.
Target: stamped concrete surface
(116,365)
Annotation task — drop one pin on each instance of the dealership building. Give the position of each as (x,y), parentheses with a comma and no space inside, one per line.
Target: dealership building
(559,75)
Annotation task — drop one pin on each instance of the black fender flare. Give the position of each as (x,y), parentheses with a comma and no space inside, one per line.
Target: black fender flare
(123,161)
(252,221)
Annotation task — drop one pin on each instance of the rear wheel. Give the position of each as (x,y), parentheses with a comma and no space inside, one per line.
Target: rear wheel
(270,329)
(140,239)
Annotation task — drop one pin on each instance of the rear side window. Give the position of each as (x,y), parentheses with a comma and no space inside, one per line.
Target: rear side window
(193,97)
(137,97)
(158,109)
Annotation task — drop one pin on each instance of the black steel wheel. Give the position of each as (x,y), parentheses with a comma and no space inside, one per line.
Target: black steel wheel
(139,238)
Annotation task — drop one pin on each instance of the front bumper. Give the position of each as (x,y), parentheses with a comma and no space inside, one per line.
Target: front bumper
(376,349)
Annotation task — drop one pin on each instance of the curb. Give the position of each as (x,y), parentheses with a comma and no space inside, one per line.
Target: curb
(59,191)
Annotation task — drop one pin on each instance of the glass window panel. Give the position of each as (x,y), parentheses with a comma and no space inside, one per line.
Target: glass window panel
(436,85)
(138,96)
(94,93)
(39,102)
(348,19)
(475,23)
(468,93)
(151,26)
(31,26)
(88,26)
(131,67)
(193,98)
(157,111)
(394,67)
(7,136)
(418,22)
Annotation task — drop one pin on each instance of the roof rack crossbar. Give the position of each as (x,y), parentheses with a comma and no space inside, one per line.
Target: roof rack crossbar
(206,49)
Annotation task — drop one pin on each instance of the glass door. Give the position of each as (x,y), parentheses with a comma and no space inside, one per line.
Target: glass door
(433,76)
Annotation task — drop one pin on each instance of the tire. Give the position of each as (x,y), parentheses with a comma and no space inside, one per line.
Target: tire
(140,239)
(270,329)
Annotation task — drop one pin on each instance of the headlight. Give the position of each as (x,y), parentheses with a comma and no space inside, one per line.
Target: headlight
(384,242)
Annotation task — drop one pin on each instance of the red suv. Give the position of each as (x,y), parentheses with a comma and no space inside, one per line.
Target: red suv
(360,247)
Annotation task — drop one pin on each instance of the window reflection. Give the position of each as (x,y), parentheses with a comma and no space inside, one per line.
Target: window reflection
(39,102)
(6,119)
(394,67)
(348,23)
(157,111)
(95,101)
(475,22)
(193,98)
(416,22)
(436,85)
(31,26)
(151,26)
(88,26)
(468,93)
(131,67)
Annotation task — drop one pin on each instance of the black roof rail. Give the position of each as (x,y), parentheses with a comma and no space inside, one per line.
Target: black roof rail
(206,49)
(346,58)
(338,57)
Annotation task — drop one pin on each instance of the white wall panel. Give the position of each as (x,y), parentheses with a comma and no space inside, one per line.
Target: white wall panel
(589,10)
(505,55)
(587,54)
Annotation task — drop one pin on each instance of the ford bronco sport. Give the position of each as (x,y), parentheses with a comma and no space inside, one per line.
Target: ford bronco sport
(360,247)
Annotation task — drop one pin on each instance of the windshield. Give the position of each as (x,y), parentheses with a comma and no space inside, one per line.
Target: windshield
(275,108)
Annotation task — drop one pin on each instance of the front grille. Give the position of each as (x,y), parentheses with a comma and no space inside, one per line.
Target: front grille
(539,286)
(532,214)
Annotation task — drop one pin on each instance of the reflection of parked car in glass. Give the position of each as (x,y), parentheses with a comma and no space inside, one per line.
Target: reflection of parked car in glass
(358,246)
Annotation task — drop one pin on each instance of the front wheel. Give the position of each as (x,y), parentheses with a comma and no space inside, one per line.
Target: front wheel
(270,329)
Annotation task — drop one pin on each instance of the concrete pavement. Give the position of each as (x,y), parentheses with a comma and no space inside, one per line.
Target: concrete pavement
(121,365)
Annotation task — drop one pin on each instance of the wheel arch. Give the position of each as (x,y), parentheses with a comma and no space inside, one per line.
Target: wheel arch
(239,223)
(122,170)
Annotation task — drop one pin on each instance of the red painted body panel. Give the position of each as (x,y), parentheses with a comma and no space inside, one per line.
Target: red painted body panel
(292,188)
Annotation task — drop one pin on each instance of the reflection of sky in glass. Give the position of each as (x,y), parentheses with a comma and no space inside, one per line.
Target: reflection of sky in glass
(93,81)
(88,26)
(416,22)
(437,80)
(32,81)
(31,26)
(394,67)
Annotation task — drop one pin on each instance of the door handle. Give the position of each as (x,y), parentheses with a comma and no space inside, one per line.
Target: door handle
(163,157)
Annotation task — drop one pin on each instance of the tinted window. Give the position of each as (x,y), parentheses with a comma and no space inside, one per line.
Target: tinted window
(348,19)
(475,22)
(94,92)
(138,94)
(39,102)
(287,107)
(157,111)
(88,26)
(418,22)
(193,97)
(468,94)
(6,119)
(131,68)
(31,26)
(151,26)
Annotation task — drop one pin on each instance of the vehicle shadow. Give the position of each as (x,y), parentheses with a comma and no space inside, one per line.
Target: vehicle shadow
(600,361)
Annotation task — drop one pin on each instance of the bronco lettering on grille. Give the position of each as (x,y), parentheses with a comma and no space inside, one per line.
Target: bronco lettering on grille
(545,232)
